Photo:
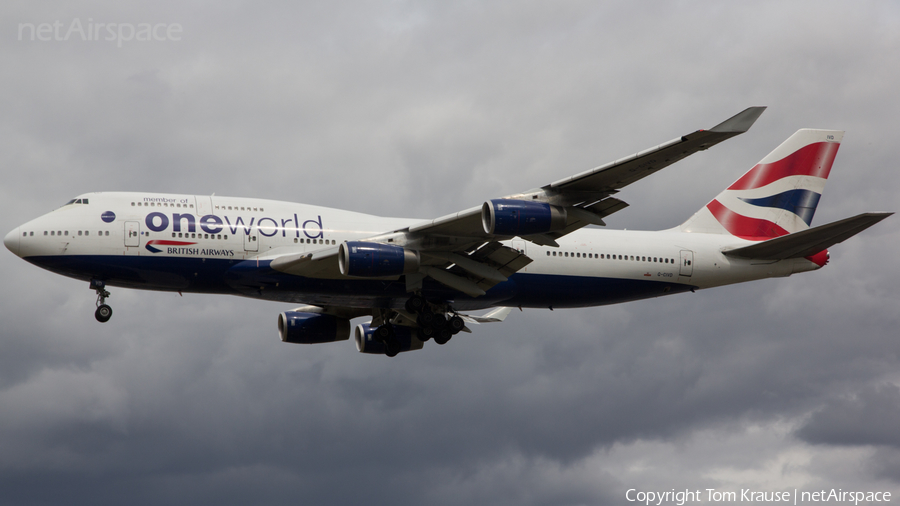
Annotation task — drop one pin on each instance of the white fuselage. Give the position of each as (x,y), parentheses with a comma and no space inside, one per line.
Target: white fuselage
(200,243)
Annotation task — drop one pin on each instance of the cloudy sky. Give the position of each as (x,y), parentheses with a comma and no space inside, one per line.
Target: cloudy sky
(421,109)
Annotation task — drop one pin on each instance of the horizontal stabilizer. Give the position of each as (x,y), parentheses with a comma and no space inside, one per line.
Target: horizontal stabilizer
(810,241)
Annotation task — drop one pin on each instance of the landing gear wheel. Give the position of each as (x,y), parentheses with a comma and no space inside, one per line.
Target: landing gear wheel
(426,333)
(426,319)
(392,347)
(415,304)
(103,313)
(384,333)
(443,335)
(456,324)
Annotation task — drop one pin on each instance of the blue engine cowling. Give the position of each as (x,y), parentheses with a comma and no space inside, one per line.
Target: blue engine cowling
(372,259)
(366,343)
(309,328)
(521,217)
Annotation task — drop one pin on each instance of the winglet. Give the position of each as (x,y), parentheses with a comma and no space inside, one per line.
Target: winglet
(740,122)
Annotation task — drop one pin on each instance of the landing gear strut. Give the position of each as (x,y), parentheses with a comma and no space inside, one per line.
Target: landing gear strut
(103,312)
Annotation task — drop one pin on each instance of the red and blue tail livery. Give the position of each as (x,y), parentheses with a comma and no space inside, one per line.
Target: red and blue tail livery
(415,280)
(779,195)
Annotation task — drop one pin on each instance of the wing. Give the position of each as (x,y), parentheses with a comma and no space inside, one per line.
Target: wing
(463,250)
(586,198)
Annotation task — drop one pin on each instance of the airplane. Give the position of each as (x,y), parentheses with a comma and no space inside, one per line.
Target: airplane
(418,279)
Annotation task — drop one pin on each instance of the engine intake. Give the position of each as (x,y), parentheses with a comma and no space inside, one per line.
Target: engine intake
(372,259)
(521,217)
(310,328)
(366,342)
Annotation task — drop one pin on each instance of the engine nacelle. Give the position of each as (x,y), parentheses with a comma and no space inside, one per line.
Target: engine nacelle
(372,259)
(366,342)
(309,328)
(521,217)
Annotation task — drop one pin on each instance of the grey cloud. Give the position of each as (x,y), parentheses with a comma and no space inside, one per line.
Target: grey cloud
(421,109)
(867,417)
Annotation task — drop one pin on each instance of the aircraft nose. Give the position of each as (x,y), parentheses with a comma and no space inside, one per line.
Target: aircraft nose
(11,241)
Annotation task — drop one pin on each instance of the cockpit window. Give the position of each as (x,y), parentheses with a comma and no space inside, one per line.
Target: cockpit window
(76,201)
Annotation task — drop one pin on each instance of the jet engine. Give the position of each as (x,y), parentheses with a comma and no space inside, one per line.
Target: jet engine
(310,328)
(521,217)
(372,259)
(366,342)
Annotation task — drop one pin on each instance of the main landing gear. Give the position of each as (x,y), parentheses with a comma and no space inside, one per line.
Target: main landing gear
(103,312)
(388,336)
(434,324)
(439,322)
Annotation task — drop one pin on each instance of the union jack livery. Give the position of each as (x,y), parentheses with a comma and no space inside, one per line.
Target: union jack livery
(779,195)
(418,279)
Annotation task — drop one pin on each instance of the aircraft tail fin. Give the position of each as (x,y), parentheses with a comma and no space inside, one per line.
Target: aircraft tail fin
(778,196)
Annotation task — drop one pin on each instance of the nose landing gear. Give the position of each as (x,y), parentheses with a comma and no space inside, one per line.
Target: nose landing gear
(103,312)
